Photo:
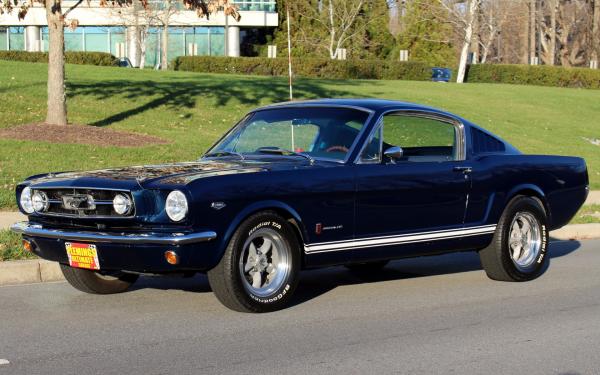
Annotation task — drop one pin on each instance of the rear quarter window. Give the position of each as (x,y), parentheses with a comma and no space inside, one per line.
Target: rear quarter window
(485,143)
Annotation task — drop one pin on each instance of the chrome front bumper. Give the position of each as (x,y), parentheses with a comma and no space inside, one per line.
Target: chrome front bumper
(36,230)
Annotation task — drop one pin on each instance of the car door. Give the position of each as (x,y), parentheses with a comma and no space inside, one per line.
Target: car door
(414,203)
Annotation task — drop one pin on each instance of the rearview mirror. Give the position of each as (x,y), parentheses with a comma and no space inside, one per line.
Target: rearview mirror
(394,152)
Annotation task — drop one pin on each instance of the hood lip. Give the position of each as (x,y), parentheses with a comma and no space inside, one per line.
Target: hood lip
(85,179)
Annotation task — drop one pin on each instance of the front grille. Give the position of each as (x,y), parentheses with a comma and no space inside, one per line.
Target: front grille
(98,203)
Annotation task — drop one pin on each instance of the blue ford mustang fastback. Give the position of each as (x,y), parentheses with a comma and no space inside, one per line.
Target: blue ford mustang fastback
(307,184)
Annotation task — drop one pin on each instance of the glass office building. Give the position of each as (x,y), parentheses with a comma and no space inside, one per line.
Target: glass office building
(205,39)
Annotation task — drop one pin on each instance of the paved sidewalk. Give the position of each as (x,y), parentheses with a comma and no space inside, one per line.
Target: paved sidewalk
(593,198)
(8,218)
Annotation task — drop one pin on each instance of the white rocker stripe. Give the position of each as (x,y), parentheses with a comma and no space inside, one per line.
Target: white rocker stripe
(322,247)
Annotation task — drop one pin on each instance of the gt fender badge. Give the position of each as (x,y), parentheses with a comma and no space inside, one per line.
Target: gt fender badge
(318,228)
(217,205)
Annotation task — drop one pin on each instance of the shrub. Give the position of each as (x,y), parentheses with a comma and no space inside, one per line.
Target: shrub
(71,57)
(310,67)
(91,58)
(540,75)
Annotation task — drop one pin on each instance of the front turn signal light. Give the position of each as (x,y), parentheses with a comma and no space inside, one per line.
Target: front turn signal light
(171,257)
(28,246)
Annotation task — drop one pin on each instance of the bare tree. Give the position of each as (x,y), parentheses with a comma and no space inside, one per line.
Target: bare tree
(334,23)
(532,30)
(462,14)
(595,39)
(342,16)
(548,32)
(574,33)
(58,18)
(163,12)
(494,18)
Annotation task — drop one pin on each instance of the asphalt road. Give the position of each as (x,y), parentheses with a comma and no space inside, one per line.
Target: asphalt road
(436,315)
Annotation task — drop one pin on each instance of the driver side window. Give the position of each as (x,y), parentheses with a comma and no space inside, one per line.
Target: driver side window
(422,139)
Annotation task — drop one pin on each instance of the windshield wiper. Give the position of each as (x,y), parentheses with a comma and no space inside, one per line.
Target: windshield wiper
(284,152)
(224,153)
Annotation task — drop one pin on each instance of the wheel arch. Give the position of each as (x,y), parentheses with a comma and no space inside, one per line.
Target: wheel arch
(281,208)
(529,190)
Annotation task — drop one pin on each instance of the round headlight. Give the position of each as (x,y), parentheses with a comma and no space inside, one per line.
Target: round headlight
(25,200)
(39,201)
(176,205)
(122,204)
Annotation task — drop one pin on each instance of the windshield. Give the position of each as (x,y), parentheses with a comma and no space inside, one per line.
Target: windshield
(314,132)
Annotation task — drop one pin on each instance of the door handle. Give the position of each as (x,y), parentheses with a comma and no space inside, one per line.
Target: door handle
(463,169)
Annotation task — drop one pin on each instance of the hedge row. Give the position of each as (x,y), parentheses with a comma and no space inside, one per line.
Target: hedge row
(310,67)
(540,75)
(71,57)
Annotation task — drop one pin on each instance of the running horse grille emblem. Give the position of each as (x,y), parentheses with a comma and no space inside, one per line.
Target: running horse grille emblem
(78,202)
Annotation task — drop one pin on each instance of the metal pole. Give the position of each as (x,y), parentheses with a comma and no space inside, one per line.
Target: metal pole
(287,10)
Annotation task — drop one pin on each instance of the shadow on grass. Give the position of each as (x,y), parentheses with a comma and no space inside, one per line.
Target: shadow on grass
(314,283)
(179,93)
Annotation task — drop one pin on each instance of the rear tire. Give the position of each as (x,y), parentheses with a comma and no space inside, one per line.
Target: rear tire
(518,249)
(93,282)
(260,268)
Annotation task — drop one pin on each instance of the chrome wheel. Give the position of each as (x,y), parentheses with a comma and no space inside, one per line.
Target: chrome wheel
(525,240)
(265,262)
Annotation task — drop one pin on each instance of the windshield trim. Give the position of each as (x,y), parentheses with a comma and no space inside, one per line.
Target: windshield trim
(306,105)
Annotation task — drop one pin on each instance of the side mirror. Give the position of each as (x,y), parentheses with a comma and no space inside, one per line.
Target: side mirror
(393,153)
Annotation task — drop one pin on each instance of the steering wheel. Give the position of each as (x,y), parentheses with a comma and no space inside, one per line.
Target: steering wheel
(337,148)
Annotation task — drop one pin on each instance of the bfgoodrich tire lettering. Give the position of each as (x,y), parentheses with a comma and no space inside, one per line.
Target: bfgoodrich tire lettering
(518,251)
(89,281)
(259,269)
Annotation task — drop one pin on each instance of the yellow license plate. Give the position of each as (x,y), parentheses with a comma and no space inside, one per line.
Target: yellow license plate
(82,255)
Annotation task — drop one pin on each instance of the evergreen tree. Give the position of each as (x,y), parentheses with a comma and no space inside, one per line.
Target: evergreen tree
(424,36)
(370,37)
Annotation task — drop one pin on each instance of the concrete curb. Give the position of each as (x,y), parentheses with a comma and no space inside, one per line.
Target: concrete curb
(577,232)
(29,271)
(8,218)
(38,270)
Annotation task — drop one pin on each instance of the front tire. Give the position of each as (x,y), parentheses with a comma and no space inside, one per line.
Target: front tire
(94,282)
(518,250)
(260,267)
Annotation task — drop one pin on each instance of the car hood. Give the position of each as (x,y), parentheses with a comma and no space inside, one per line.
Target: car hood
(151,175)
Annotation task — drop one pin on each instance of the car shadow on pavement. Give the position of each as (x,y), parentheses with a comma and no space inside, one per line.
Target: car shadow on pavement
(314,283)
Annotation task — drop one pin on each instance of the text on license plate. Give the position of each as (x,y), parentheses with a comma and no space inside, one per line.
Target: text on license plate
(82,255)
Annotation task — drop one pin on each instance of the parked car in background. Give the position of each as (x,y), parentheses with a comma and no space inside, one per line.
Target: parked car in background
(124,62)
(441,74)
(301,185)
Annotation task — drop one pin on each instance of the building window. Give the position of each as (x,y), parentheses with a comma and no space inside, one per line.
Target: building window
(16,38)
(3,38)
(256,5)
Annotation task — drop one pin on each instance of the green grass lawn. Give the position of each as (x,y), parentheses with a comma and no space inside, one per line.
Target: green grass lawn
(587,215)
(192,110)
(11,248)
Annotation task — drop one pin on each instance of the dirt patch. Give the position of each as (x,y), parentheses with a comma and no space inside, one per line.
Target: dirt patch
(79,134)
